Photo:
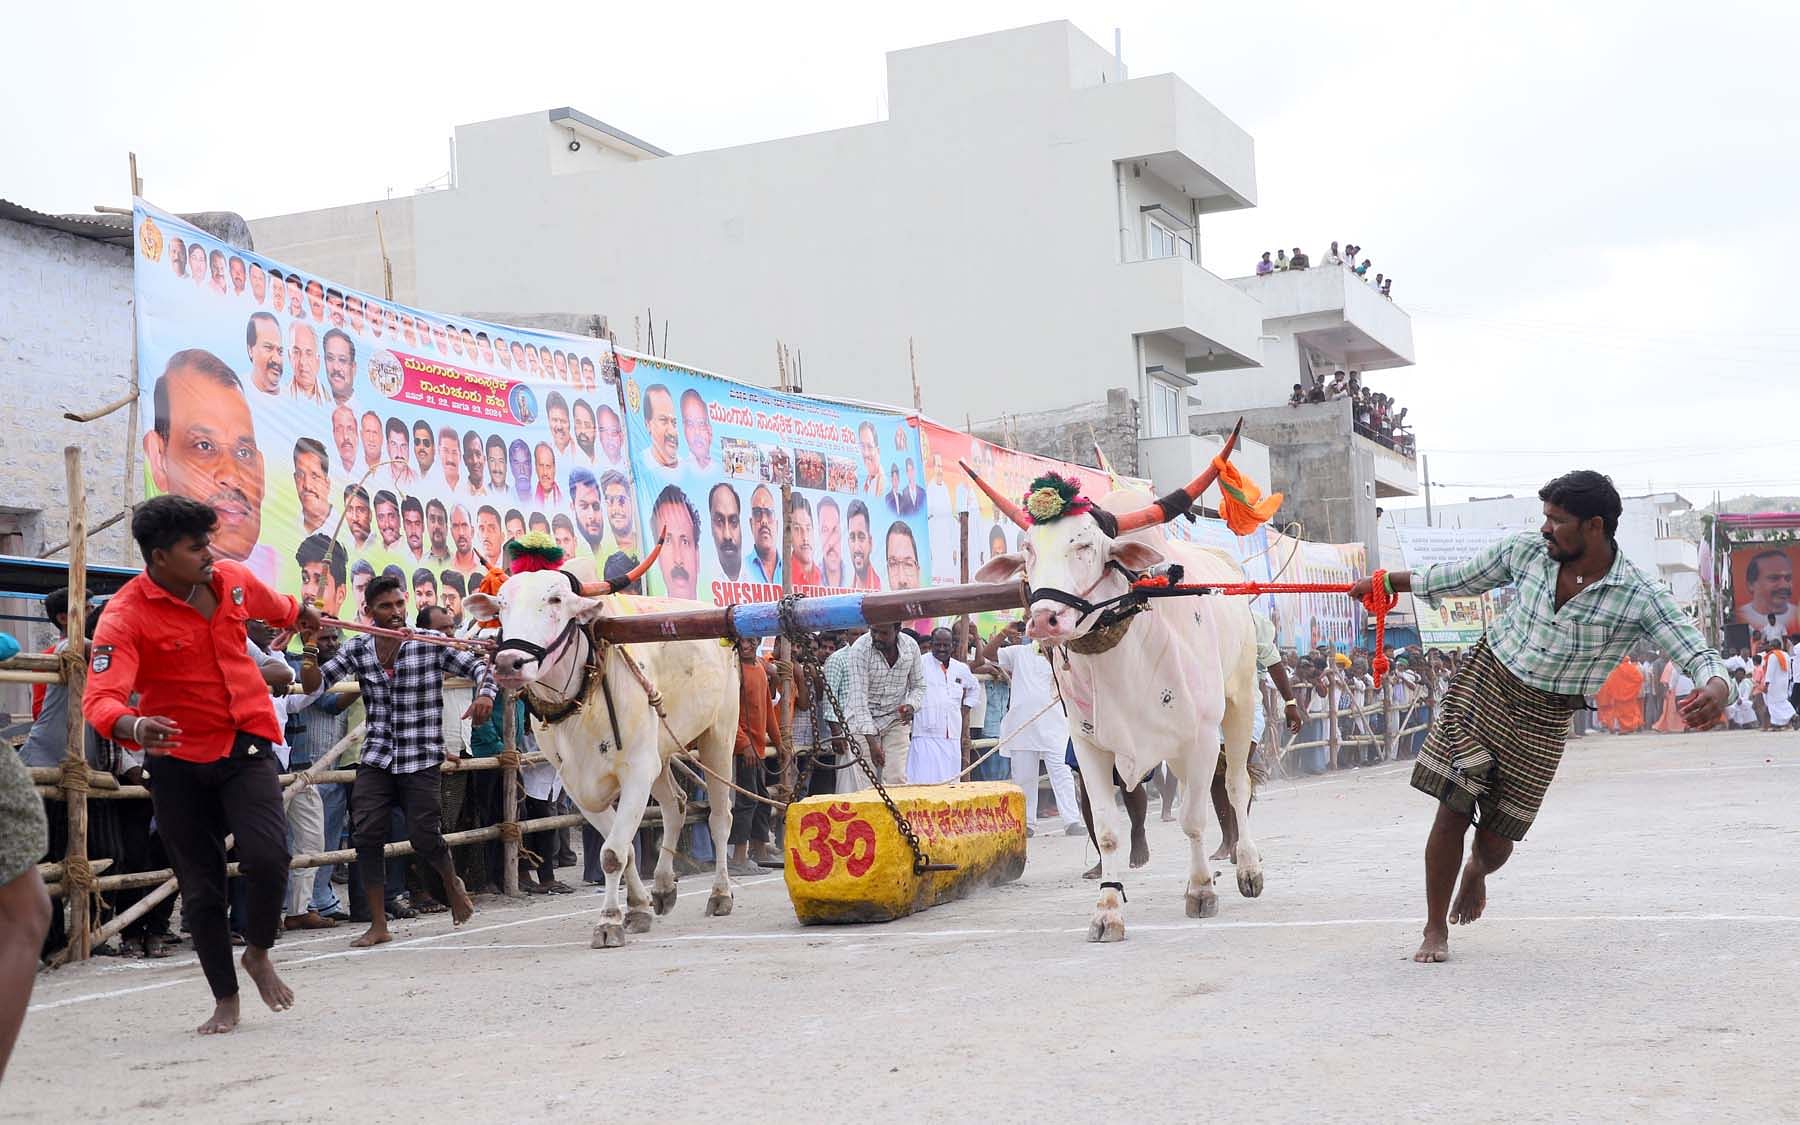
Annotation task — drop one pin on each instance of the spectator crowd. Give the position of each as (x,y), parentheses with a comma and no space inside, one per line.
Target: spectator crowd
(1375,415)
(1345,259)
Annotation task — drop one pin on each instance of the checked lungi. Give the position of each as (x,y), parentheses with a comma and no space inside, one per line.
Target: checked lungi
(1494,746)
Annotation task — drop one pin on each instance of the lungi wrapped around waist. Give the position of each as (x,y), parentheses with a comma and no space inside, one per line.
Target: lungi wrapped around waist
(1494,745)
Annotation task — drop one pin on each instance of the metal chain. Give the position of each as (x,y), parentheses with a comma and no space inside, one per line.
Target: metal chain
(808,656)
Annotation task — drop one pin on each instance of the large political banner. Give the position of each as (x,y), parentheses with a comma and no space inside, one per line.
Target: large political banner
(1454,622)
(949,493)
(1762,589)
(711,457)
(340,435)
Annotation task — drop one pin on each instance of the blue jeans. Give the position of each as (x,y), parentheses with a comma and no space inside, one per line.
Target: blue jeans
(337,813)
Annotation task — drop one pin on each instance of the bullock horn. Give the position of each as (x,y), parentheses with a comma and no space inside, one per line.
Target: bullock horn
(1175,503)
(614,585)
(1011,510)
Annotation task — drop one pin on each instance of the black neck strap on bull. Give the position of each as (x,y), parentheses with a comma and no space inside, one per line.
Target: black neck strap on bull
(1108,612)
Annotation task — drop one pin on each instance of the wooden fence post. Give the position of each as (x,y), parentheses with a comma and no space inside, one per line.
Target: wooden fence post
(75,765)
(1389,722)
(1334,741)
(509,796)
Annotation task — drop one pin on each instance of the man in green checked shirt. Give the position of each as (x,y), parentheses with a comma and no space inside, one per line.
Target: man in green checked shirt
(1498,736)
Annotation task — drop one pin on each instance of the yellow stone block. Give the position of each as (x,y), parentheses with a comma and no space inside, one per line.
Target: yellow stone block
(848,862)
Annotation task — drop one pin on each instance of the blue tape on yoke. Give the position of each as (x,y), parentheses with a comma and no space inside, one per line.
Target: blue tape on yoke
(763,619)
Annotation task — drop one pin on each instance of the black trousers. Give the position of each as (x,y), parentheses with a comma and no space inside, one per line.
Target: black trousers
(419,795)
(141,850)
(749,819)
(197,804)
(543,843)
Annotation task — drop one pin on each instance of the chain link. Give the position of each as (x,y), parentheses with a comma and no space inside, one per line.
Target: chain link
(807,654)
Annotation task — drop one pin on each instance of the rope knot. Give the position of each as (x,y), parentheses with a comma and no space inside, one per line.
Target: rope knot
(74,776)
(509,759)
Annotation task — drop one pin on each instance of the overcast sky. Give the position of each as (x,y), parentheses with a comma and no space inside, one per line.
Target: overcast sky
(1588,208)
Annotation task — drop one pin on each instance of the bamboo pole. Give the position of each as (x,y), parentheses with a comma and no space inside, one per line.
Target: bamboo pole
(1332,736)
(75,754)
(128,487)
(16,676)
(310,860)
(509,796)
(110,408)
(789,767)
(1389,738)
(92,531)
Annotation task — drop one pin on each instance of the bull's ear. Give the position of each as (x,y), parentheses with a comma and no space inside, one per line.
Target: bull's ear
(481,607)
(1133,555)
(1000,568)
(583,609)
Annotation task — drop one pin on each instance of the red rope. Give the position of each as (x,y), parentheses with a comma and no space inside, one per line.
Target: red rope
(1378,601)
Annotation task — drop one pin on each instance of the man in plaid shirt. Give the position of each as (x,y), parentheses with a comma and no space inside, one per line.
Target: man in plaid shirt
(403,749)
(1498,736)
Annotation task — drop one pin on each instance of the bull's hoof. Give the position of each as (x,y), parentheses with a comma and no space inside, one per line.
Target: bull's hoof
(1107,926)
(637,921)
(1250,882)
(663,901)
(608,935)
(1202,904)
(718,906)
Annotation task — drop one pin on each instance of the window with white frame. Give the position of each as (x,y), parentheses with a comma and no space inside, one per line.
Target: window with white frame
(1165,409)
(1162,242)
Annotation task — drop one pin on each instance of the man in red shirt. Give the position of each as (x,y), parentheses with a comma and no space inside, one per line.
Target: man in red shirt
(175,634)
(759,725)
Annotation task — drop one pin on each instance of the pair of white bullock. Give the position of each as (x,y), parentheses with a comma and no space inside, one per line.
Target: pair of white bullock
(1169,680)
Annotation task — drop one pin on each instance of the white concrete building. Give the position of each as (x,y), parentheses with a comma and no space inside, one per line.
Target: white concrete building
(1028,215)
(1644,533)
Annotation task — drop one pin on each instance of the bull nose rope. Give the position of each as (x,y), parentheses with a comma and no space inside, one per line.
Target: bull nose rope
(1379,601)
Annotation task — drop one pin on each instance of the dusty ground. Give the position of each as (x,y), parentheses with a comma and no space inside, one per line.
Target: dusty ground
(1639,960)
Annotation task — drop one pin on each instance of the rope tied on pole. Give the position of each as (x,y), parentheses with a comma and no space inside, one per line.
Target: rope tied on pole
(72,777)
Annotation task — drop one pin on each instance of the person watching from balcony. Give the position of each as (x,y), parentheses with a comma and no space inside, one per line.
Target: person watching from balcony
(1377,283)
(1298,397)
(1334,258)
(1339,388)
(1317,391)
(1363,270)
(1265,266)
(1387,289)
(1299,261)
(1281,262)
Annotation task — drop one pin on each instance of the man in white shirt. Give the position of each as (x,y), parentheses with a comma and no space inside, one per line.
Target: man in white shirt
(884,692)
(1038,735)
(306,812)
(940,731)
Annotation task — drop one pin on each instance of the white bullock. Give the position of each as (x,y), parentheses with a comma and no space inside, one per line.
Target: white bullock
(619,750)
(1158,685)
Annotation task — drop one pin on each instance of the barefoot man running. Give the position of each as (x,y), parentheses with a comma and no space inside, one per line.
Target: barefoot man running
(175,635)
(1498,736)
(403,752)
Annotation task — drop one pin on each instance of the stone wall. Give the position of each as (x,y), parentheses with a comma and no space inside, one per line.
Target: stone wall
(1070,433)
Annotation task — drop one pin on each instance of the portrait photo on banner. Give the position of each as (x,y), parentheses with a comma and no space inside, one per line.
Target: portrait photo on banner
(711,459)
(1762,590)
(340,435)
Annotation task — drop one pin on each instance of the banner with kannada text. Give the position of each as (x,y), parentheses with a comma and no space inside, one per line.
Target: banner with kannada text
(1454,622)
(340,435)
(711,456)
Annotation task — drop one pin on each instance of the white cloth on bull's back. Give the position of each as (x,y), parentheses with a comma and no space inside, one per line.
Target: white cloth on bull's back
(877,689)
(1151,692)
(937,728)
(1033,688)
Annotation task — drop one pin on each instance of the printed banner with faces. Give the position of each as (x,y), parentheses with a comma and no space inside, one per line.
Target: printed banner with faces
(340,436)
(710,459)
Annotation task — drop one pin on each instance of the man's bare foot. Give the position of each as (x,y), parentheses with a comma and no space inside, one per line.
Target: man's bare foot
(1224,853)
(224,1017)
(1140,850)
(275,992)
(374,936)
(1471,897)
(1435,947)
(462,907)
(1168,814)
(1092,872)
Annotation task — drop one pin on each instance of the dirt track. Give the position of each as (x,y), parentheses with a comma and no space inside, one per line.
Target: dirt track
(1640,958)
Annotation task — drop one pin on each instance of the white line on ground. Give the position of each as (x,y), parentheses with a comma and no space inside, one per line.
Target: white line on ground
(869,934)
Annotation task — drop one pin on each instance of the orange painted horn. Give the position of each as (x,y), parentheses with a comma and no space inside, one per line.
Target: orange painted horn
(613,586)
(1159,513)
(1011,510)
